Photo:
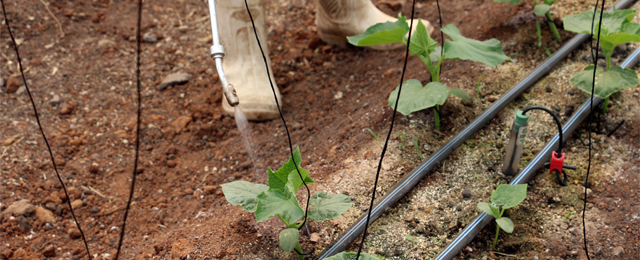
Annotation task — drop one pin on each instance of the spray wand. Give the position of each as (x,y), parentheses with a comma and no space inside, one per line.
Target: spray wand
(217,53)
(516,144)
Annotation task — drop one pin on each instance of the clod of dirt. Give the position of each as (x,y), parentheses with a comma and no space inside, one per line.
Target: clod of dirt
(181,123)
(314,237)
(45,215)
(12,85)
(76,204)
(6,253)
(210,189)
(150,37)
(49,251)
(21,207)
(94,168)
(466,193)
(74,233)
(67,109)
(178,78)
(180,249)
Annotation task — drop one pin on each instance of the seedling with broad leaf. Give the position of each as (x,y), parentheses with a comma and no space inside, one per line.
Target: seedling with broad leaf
(415,96)
(504,197)
(617,29)
(279,199)
(540,9)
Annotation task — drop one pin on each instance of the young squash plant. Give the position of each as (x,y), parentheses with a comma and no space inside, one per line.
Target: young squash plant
(617,29)
(540,9)
(279,199)
(505,197)
(415,96)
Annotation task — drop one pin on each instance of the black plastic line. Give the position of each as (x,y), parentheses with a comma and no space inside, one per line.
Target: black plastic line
(555,118)
(135,160)
(35,111)
(473,229)
(396,192)
(264,58)
(386,141)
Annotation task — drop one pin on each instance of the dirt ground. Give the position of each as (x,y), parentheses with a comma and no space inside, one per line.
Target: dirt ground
(80,58)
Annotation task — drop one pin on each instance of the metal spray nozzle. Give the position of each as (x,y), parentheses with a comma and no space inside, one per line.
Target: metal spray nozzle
(230,95)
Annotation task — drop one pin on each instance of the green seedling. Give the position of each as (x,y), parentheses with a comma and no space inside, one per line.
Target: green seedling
(417,146)
(279,199)
(374,136)
(411,238)
(540,9)
(505,197)
(617,29)
(401,134)
(415,96)
(479,87)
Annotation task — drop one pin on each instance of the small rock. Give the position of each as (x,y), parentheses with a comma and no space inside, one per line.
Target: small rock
(386,167)
(12,85)
(106,43)
(21,90)
(466,193)
(74,233)
(51,205)
(314,237)
(150,37)
(76,204)
(49,251)
(8,141)
(95,209)
(338,95)
(1,82)
(171,163)
(179,78)
(492,98)
(618,251)
(94,168)
(209,189)
(55,100)
(408,218)
(45,215)
(21,207)
(181,123)
(327,64)
(197,193)
(67,109)
(390,72)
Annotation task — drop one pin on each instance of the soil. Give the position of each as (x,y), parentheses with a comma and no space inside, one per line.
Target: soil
(82,78)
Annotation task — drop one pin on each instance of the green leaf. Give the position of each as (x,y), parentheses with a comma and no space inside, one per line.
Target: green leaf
(485,207)
(280,202)
(609,42)
(351,256)
(511,2)
(244,193)
(289,239)
(607,82)
(630,28)
(488,52)
(287,175)
(549,2)
(509,196)
(541,9)
(326,207)
(611,21)
(495,210)
(411,238)
(382,33)
(435,54)
(459,93)
(506,224)
(414,97)
(421,43)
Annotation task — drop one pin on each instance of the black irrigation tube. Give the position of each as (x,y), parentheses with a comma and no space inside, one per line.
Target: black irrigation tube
(414,177)
(471,231)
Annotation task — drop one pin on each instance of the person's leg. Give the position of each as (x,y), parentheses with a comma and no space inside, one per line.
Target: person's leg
(337,19)
(243,63)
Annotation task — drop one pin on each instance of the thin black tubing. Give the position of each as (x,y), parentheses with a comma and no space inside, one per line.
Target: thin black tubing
(135,160)
(441,35)
(593,86)
(304,221)
(35,110)
(386,142)
(555,118)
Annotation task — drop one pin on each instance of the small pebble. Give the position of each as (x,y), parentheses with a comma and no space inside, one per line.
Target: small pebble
(55,100)
(466,193)
(150,37)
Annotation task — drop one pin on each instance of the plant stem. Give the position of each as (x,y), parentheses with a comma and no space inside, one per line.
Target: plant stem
(495,241)
(437,116)
(604,105)
(552,25)
(539,33)
(298,249)
(285,222)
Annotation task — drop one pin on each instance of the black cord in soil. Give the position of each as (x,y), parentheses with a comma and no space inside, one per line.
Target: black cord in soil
(306,210)
(35,111)
(615,129)
(135,160)
(593,86)
(386,141)
(555,118)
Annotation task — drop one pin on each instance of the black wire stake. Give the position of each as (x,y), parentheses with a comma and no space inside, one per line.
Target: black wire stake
(135,160)
(593,87)
(306,210)
(386,141)
(559,154)
(35,110)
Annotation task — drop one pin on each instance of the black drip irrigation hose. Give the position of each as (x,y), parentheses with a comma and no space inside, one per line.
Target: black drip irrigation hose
(473,229)
(414,177)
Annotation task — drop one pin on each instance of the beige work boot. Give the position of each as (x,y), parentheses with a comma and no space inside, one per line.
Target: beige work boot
(243,63)
(337,19)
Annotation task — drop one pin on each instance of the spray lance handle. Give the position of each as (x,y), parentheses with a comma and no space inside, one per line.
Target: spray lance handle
(217,53)
(516,144)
